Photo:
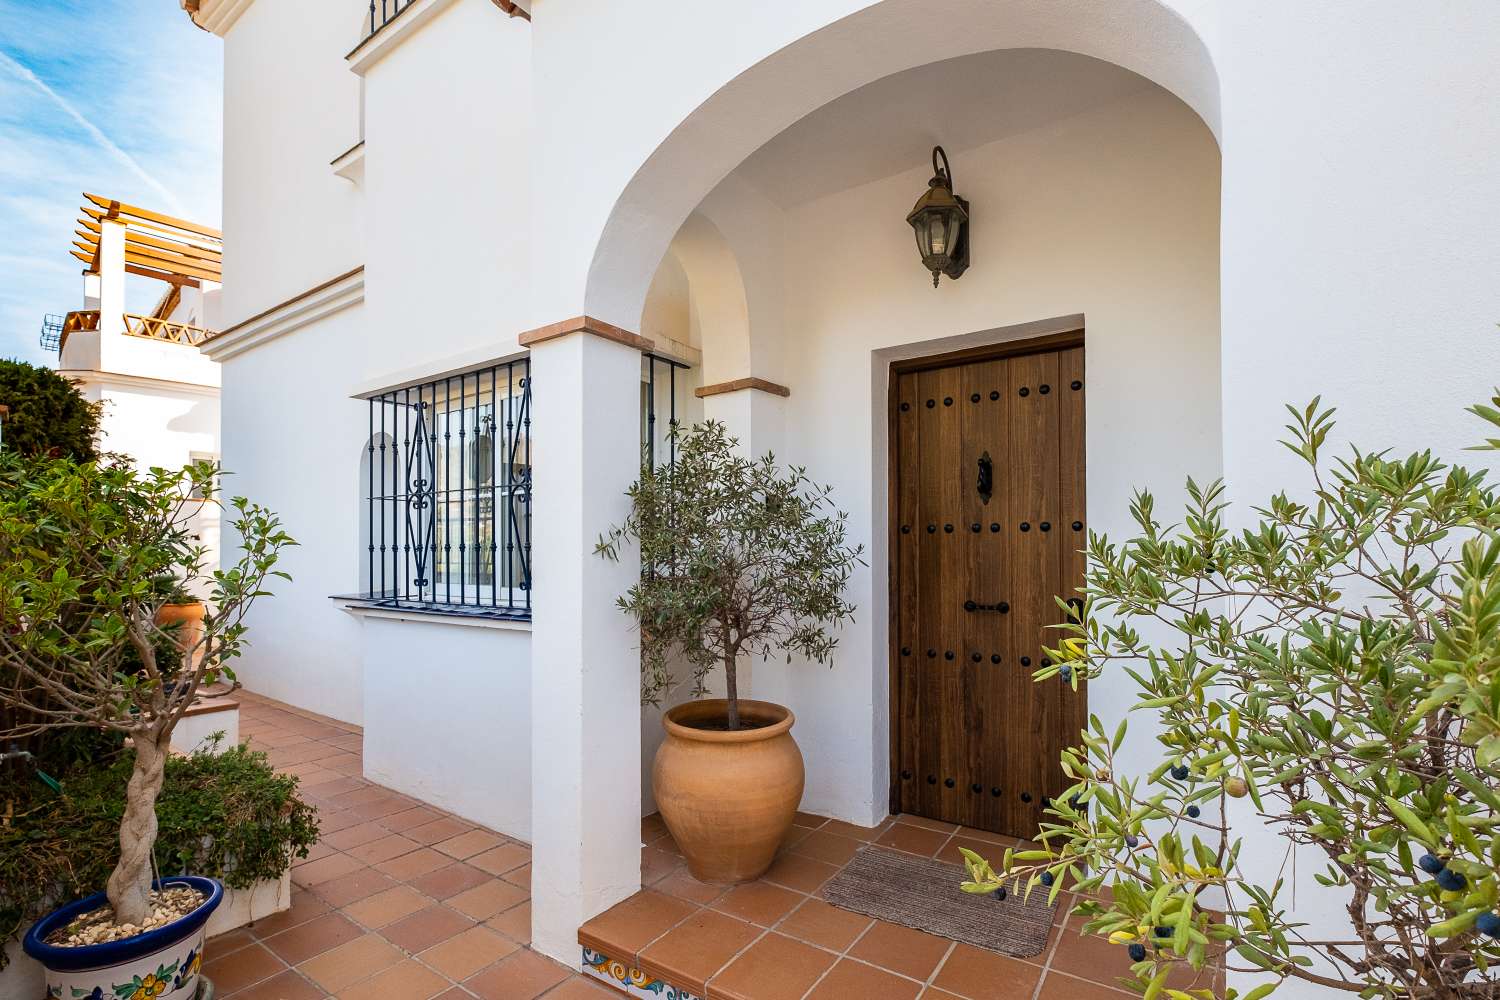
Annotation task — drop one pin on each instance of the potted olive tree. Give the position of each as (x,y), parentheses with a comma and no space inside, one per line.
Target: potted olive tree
(82,644)
(1326,676)
(739,558)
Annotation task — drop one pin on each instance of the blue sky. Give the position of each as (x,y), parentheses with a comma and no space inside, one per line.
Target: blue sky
(120,98)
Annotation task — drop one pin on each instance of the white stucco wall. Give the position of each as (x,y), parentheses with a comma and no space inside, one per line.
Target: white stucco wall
(448,716)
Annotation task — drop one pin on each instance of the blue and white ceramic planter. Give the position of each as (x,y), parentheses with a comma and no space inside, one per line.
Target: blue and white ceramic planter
(159,963)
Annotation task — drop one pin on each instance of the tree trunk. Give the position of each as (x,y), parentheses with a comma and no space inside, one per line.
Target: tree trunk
(732,691)
(129,887)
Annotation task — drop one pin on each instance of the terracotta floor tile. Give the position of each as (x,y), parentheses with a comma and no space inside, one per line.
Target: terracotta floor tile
(912,839)
(500,859)
(658,864)
(682,885)
(468,844)
(382,808)
(808,820)
(356,885)
(242,968)
(410,865)
(690,953)
(325,869)
(773,968)
(350,963)
(582,988)
(449,881)
(830,847)
(855,979)
(802,874)
(467,952)
(758,902)
(319,850)
(484,901)
(625,928)
(653,827)
(344,783)
(407,819)
(383,849)
(354,836)
(386,907)
(864,833)
(989,850)
(969,833)
(519,876)
(289,985)
(522,976)
(334,820)
(514,923)
(668,844)
(903,950)
(313,938)
(1061,986)
(456,993)
(1089,956)
(927,824)
(980,975)
(409,980)
(229,941)
(425,928)
(305,906)
(819,923)
(439,829)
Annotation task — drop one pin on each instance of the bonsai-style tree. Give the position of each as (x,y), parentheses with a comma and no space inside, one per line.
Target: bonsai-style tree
(83,548)
(48,415)
(1329,676)
(738,556)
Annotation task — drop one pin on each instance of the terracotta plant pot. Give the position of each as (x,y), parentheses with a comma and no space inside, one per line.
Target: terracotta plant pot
(189,621)
(728,797)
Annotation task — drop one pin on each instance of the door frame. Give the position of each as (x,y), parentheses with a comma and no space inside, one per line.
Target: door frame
(988,352)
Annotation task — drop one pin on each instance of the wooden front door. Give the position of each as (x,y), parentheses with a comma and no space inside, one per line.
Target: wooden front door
(987,499)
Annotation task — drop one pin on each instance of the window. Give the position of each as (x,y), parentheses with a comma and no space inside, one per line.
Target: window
(447,491)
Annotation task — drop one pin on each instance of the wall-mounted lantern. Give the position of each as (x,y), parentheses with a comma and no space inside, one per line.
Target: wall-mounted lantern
(941,222)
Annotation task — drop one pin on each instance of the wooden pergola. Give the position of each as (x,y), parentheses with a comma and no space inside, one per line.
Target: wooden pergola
(156,246)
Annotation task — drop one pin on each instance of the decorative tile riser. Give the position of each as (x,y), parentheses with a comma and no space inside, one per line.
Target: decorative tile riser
(632,982)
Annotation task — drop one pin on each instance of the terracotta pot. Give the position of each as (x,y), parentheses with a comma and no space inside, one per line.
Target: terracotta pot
(728,797)
(189,621)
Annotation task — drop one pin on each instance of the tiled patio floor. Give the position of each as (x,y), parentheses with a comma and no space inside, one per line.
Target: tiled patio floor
(398,900)
(775,939)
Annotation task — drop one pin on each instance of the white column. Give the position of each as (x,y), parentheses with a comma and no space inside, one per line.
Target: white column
(585,660)
(111,295)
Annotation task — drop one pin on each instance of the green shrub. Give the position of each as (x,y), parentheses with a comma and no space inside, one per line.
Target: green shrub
(226,815)
(48,417)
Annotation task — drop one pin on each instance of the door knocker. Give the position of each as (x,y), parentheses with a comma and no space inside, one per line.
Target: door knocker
(986,477)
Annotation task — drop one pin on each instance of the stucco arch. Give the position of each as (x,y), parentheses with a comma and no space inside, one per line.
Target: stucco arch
(1148,37)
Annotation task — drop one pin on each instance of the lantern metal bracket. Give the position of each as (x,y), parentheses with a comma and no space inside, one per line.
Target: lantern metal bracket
(960,262)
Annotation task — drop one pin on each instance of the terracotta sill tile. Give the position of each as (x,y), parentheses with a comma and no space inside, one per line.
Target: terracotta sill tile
(313,938)
(445,828)
(444,882)
(243,968)
(821,845)
(468,844)
(855,979)
(758,902)
(409,866)
(902,950)
(774,968)
(514,923)
(822,924)
(409,980)
(689,954)
(500,859)
(348,964)
(484,901)
(970,972)
(466,953)
(520,977)
(386,907)
(1061,986)
(357,885)
(799,873)
(383,849)
(625,928)
(290,985)
(425,928)
(913,839)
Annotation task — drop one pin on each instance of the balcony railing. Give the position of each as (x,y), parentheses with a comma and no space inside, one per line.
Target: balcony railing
(152,328)
(383,12)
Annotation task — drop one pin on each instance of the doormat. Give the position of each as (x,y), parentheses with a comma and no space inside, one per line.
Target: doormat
(924,894)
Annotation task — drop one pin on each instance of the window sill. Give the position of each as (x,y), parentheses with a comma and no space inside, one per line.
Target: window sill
(436,614)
